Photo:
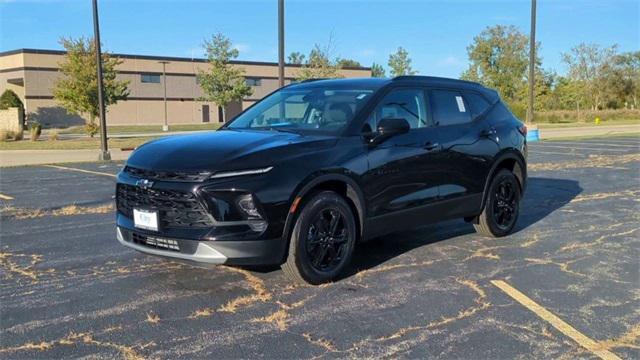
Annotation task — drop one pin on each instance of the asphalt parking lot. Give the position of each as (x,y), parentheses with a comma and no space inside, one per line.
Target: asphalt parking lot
(565,285)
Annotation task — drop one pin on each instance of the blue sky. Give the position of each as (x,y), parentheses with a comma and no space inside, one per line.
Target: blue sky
(436,33)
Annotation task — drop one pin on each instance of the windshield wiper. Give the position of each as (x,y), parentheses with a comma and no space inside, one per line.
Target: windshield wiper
(285,130)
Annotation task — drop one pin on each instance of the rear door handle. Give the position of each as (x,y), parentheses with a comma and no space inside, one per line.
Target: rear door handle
(488,132)
(431,146)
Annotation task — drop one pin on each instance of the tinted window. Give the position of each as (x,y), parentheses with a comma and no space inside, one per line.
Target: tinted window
(449,108)
(253,81)
(477,103)
(313,110)
(150,78)
(408,104)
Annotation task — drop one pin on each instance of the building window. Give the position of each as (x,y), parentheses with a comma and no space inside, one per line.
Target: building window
(150,78)
(253,81)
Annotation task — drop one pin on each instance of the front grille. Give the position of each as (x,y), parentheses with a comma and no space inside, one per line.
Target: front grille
(155,242)
(183,176)
(175,208)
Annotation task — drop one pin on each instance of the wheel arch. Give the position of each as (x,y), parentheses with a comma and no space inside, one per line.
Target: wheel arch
(340,183)
(511,160)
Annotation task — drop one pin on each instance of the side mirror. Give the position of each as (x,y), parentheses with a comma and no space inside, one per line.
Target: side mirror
(388,128)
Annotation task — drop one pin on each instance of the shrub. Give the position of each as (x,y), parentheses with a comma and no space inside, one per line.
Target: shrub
(4,135)
(53,135)
(91,128)
(10,99)
(17,136)
(35,129)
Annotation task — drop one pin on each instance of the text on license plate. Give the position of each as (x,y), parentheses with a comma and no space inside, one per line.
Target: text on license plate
(145,219)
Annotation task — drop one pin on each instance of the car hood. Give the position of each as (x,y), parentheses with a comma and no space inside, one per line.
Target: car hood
(225,150)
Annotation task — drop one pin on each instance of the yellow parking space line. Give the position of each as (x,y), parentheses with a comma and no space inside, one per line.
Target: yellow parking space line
(80,170)
(5,197)
(555,321)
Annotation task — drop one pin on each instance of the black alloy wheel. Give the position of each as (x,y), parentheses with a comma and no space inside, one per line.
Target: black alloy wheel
(502,207)
(322,239)
(505,204)
(327,240)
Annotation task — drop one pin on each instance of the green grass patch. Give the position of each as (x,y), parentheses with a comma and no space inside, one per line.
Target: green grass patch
(132,129)
(595,137)
(74,144)
(588,124)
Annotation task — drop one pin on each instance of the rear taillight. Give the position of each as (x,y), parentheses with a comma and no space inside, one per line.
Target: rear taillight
(523,130)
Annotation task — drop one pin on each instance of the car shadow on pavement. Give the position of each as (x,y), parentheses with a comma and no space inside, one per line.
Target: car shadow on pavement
(542,197)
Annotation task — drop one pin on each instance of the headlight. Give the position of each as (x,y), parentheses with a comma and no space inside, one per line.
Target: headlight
(246,204)
(224,174)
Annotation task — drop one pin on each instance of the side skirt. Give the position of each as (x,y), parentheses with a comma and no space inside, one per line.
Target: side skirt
(465,206)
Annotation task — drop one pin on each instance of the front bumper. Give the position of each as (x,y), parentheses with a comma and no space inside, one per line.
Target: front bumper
(205,253)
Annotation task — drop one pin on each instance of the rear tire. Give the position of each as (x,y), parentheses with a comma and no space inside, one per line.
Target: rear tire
(322,240)
(502,206)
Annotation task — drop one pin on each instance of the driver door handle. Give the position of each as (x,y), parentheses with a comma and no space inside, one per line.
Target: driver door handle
(429,146)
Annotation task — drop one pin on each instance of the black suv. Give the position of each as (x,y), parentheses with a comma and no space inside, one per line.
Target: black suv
(314,168)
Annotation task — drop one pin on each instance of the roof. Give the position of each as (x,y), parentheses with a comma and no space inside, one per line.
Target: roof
(380,82)
(168,58)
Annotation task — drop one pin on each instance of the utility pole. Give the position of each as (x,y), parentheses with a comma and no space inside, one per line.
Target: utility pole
(104,147)
(281,43)
(532,62)
(165,127)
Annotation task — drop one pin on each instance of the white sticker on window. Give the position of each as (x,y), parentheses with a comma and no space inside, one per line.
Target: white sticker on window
(460,104)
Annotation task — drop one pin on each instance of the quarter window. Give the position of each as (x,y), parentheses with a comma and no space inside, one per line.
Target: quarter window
(408,104)
(477,103)
(449,108)
(150,78)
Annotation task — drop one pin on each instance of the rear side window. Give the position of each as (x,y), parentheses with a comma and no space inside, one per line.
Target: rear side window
(477,103)
(449,108)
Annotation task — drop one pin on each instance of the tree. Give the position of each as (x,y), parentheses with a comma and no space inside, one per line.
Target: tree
(296,58)
(347,63)
(377,71)
(319,65)
(77,89)
(400,63)
(587,66)
(498,59)
(10,99)
(222,83)
(622,80)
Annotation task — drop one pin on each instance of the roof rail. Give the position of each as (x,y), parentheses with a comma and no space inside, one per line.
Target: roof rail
(432,78)
(311,80)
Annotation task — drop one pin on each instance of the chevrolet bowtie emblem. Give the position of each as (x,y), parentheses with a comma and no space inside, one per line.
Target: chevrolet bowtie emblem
(144,183)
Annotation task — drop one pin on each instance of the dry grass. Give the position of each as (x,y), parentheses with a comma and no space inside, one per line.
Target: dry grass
(326,344)
(12,267)
(593,161)
(206,312)
(278,318)
(70,210)
(261,294)
(75,339)
(152,318)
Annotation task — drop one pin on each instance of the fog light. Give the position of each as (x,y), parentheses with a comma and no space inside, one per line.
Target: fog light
(246,204)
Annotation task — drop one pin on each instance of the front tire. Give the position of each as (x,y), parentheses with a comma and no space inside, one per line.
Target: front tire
(502,207)
(322,240)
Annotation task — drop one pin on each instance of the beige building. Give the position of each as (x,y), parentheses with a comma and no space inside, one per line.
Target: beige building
(32,74)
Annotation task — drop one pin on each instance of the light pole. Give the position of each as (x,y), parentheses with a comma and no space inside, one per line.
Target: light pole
(532,62)
(281,43)
(104,147)
(165,127)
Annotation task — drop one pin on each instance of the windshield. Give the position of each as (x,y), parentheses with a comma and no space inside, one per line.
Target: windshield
(309,109)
